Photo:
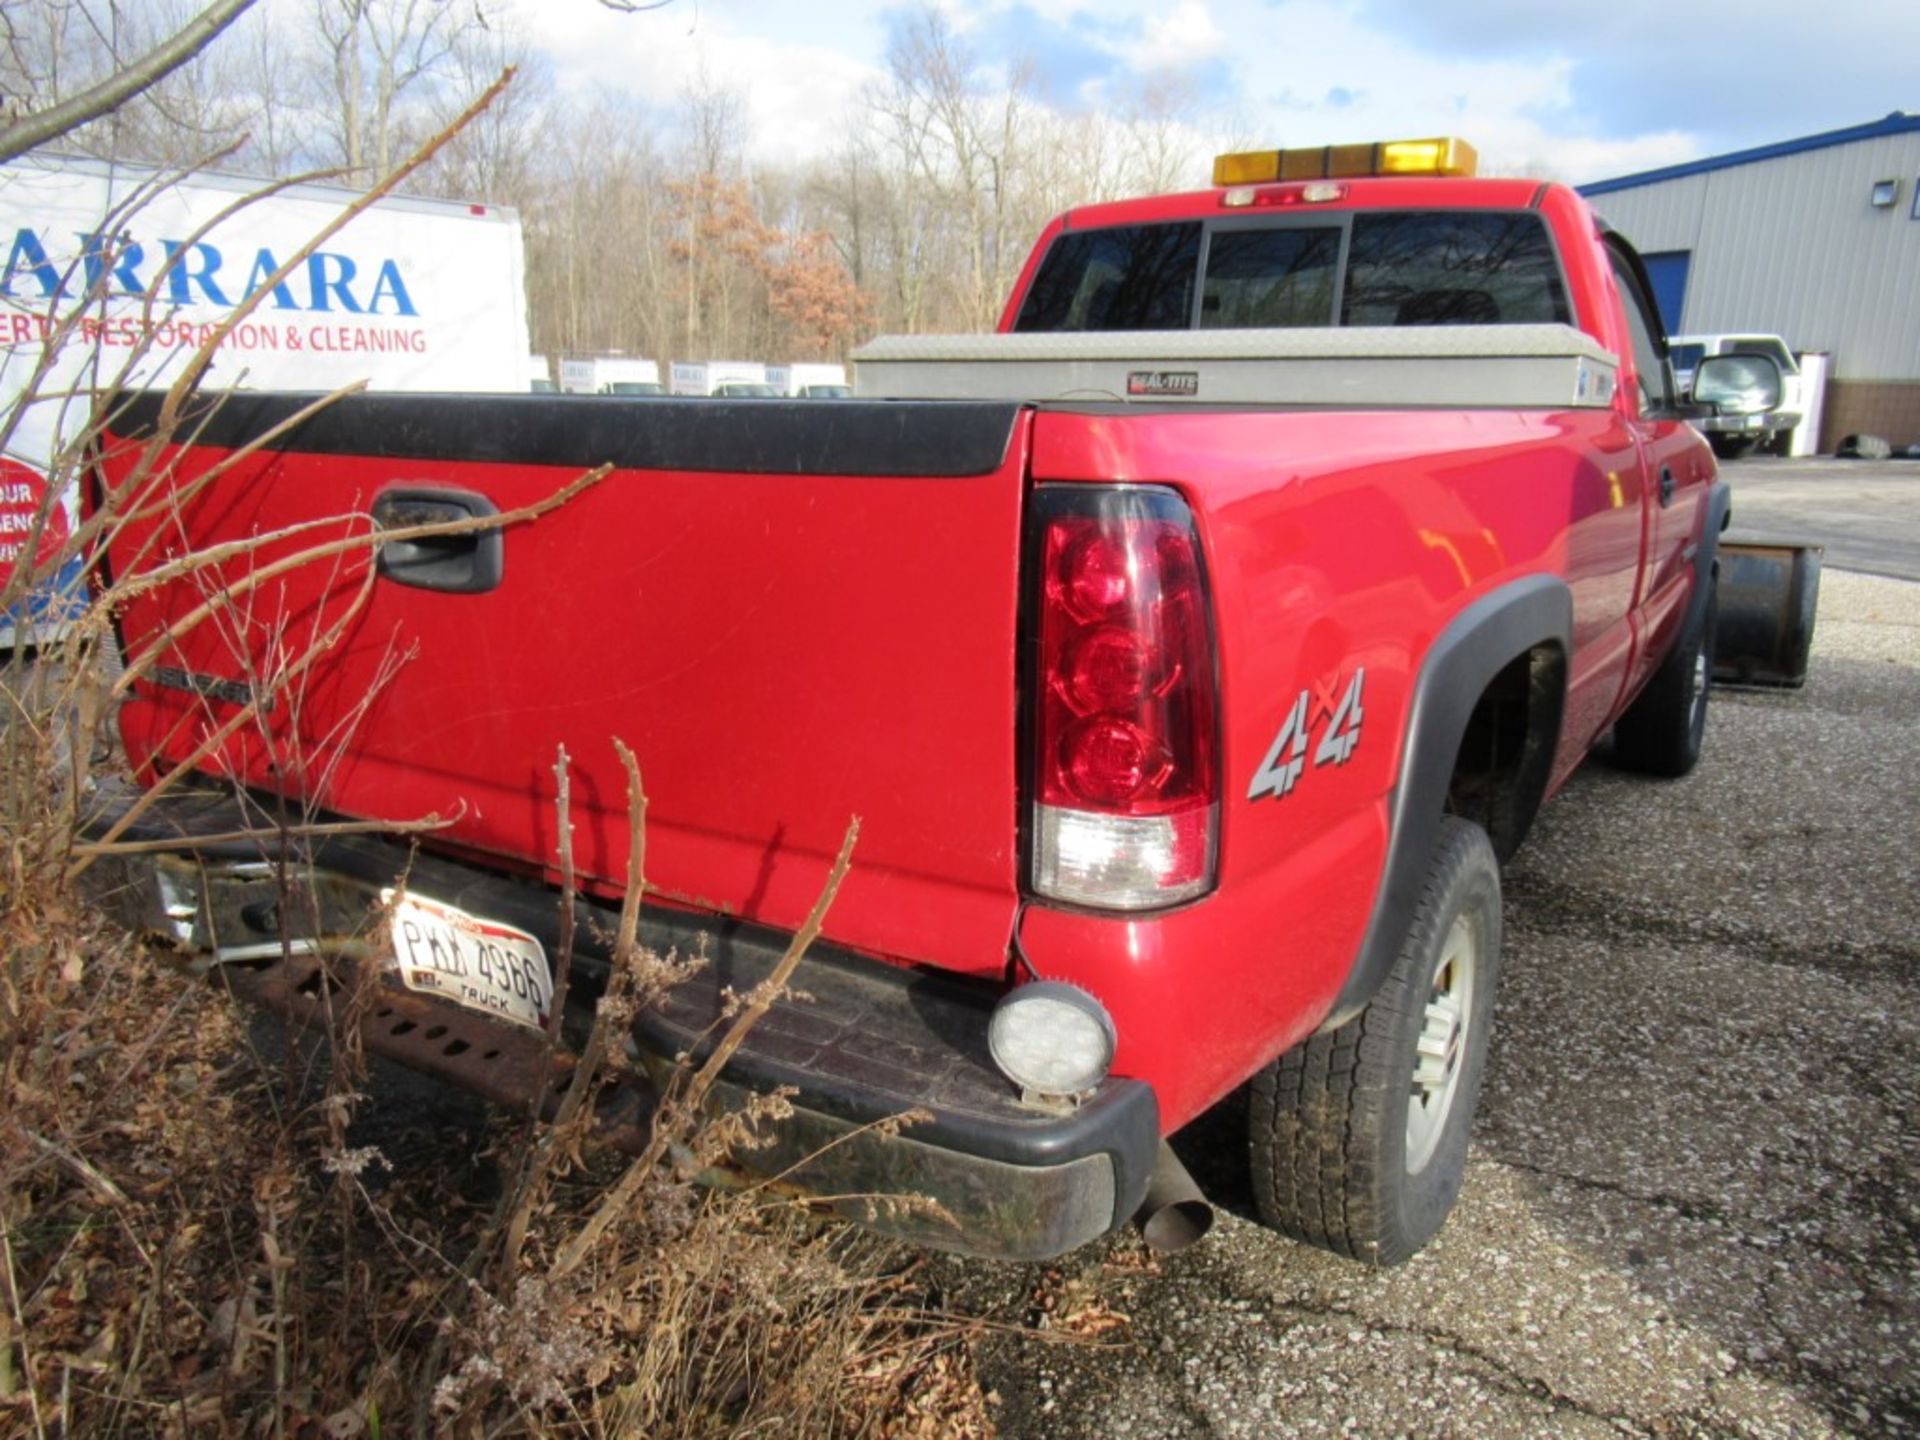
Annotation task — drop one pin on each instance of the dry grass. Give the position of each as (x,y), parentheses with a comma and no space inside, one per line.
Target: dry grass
(201,1232)
(203,1236)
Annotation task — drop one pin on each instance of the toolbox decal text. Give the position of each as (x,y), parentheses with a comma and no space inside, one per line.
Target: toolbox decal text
(1184,383)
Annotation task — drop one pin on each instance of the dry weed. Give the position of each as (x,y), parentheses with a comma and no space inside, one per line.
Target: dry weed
(203,1234)
(206,1226)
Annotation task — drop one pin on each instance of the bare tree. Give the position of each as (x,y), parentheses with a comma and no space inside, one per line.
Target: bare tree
(377,54)
(284,112)
(499,156)
(713,123)
(598,272)
(897,167)
(1161,135)
(57,113)
(714,126)
(965,140)
(207,106)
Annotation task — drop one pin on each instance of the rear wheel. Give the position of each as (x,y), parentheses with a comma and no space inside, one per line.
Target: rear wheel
(1733,447)
(1359,1136)
(1664,729)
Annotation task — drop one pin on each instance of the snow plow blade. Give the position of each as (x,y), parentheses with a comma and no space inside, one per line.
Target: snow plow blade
(1769,592)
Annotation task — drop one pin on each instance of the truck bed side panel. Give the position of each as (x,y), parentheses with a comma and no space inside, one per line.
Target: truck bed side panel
(1338,542)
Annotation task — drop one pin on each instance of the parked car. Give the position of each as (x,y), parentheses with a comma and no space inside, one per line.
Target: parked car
(1733,435)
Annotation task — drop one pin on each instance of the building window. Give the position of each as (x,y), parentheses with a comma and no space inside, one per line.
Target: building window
(1885,192)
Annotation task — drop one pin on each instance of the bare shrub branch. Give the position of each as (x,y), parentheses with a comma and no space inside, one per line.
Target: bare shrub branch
(693,1096)
(125,83)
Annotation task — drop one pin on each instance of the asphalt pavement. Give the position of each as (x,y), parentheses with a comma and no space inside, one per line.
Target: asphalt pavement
(1693,1202)
(1866,512)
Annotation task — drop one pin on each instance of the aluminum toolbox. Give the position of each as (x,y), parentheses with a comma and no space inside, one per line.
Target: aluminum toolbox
(1551,367)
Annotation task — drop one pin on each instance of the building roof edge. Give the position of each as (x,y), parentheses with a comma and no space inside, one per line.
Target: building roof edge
(1898,123)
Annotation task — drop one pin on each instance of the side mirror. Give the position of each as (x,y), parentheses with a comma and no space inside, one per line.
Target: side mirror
(1737,384)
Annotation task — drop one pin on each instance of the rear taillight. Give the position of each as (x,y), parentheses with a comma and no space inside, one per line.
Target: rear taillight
(1124,787)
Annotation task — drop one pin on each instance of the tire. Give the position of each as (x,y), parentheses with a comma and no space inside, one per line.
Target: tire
(1732,447)
(1665,727)
(1358,1140)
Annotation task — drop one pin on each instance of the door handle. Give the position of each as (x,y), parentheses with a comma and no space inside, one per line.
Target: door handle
(1666,484)
(468,563)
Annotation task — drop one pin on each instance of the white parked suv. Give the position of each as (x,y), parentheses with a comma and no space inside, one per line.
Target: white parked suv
(1735,435)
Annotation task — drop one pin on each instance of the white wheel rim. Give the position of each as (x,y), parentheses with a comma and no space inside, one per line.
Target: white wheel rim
(1700,679)
(1441,1050)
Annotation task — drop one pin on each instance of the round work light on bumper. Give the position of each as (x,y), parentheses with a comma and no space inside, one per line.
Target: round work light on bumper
(1051,1038)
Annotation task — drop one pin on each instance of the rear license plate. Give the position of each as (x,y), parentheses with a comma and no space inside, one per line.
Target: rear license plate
(481,964)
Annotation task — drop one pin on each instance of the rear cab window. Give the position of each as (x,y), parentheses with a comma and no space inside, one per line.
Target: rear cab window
(1369,267)
(1440,267)
(1270,277)
(1128,277)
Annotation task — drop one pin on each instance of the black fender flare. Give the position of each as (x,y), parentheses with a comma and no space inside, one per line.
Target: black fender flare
(1476,645)
(1706,554)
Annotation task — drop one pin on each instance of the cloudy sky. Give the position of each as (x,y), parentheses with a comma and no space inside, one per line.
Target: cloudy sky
(1581,91)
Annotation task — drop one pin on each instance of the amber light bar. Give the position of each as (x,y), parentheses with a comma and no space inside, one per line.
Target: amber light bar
(1445,155)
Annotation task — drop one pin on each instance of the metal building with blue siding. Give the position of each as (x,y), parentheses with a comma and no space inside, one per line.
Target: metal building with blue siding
(1815,239)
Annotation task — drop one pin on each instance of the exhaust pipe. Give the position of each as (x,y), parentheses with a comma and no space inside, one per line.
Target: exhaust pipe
(1175,1213)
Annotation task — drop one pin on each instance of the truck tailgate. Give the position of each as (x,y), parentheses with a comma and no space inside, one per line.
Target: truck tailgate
(793,614)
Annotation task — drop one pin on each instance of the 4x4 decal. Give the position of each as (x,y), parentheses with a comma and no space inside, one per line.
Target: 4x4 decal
(1287,758)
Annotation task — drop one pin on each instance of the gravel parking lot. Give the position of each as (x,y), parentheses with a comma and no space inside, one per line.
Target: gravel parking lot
(1694,1201)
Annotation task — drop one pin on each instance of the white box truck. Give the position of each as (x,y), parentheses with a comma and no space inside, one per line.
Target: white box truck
(733,378)
(810,381)
(411,294)
(610,375)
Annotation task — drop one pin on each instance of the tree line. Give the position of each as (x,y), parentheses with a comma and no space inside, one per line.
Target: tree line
(650,229)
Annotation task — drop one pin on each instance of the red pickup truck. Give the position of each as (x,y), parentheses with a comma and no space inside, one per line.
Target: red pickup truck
(1193,650)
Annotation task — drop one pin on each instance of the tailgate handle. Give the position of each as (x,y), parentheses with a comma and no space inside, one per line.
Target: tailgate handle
(464,564)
